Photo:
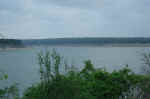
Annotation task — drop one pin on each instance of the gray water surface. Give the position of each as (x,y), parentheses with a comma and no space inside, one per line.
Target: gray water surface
(21,65)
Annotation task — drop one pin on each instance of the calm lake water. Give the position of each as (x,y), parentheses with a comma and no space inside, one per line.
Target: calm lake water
(21,65)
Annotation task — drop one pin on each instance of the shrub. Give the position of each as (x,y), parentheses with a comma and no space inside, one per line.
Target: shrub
(89,83)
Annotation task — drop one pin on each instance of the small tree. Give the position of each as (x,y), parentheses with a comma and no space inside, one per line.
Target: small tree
(146,62)
(49,65)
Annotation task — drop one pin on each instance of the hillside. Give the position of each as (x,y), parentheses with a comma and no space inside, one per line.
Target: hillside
(87,41)
(6,43)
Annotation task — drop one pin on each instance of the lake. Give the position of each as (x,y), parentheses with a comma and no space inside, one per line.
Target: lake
(21,65)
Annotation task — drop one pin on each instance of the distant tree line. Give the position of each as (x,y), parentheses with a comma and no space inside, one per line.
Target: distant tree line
(87,41)
(4,43)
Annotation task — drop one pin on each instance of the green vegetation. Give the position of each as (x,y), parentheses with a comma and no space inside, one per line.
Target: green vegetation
(88,83)
(4,43)
(11,92)
(88,41)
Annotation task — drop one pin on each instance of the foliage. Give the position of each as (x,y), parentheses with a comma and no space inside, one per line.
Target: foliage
(11,43)
(146,79)
(8,92)
(87,41)
(3,76)
(89,83)
(146,62)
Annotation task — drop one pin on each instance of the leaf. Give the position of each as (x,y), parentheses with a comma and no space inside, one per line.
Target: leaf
(5,76)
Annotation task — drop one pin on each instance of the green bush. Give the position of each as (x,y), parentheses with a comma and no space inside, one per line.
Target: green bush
(89,83)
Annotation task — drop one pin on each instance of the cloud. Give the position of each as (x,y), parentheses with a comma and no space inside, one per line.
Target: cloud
(78,18)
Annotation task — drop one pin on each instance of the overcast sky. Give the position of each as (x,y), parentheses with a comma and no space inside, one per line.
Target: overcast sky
(74,18)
